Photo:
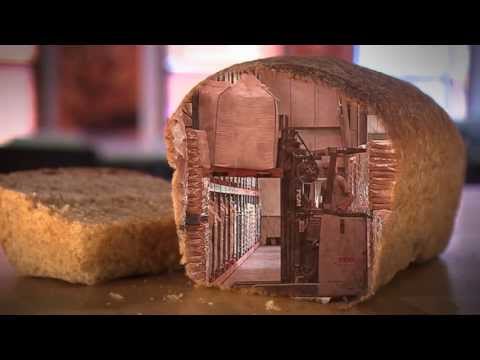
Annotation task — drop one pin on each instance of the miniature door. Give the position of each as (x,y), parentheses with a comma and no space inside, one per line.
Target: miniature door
(342,264)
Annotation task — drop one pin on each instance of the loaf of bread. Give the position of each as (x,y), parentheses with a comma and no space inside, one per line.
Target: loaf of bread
(414,154)
(87,225)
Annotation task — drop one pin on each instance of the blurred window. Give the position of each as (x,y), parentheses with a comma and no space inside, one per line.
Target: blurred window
(441,71)
(17,92)
(17,54)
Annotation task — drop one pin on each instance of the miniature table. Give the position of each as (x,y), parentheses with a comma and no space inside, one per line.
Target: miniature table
(449,284)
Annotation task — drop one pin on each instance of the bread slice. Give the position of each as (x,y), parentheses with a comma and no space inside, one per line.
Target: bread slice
(86,225)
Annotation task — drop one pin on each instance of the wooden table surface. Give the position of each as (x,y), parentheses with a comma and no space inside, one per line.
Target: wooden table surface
(449,284)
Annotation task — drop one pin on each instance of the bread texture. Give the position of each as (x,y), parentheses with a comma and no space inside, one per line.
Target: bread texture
(86,225)
(427,149)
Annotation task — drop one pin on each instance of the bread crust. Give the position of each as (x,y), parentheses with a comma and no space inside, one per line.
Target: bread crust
(429,152)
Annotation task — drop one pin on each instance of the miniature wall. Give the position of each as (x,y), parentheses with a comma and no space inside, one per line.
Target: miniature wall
(310,108)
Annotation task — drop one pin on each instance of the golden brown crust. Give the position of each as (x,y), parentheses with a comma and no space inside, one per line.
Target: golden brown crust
(430,154)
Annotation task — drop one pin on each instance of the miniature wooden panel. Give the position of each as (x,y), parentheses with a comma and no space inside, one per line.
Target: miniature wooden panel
(269,196)
(306,104)
(326,102)
(327,138)
(303,104)
(353,121)
(246,127)
(279,84)
(202,139)
(342,254)
(344,123)
(362,127)
(207,108)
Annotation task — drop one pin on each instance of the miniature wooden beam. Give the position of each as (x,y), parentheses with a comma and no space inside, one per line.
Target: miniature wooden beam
(331,177)
(224,171)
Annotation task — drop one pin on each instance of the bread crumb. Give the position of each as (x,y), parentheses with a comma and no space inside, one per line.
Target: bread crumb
(152,298)
(139,313)
(270,306)
(65,208)
(116,296)
(108,303)
(210,303)
(173,297)
(324,300)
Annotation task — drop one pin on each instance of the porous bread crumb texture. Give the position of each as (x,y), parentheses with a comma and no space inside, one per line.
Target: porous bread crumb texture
(430,168)
(87,225)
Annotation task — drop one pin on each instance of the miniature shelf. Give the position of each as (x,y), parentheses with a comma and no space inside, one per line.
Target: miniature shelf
(224,189)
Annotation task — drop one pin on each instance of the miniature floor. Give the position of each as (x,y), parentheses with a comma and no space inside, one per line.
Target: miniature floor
(262,265)
(449,284)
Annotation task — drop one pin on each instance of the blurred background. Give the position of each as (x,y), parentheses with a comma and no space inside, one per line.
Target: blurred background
(96,105)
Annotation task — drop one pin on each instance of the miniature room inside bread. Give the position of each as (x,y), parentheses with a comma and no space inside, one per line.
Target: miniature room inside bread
(286,182)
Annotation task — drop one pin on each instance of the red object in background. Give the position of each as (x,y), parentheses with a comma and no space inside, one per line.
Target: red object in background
(344,52)
(98,87)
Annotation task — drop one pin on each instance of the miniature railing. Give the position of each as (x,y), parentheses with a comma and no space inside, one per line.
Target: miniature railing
(234,222)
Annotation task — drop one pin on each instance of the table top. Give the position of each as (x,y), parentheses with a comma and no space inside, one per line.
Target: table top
(449,284)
